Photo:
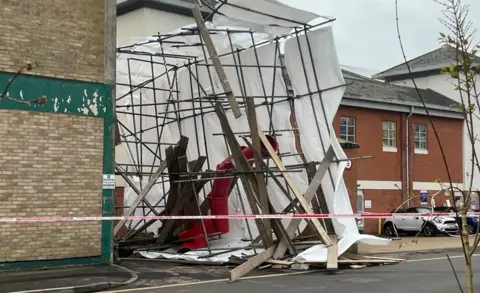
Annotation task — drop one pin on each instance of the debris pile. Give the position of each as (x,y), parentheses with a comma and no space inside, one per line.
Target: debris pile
(235,121)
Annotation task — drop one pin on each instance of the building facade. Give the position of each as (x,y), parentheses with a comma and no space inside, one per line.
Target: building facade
(389,123)
(425,69)
(57,124)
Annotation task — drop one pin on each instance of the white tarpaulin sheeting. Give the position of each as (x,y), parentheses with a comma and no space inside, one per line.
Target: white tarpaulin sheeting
(268,16)
(308,75)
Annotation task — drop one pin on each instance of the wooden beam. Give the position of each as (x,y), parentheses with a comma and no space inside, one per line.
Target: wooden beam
(277,224)
(332,254)
(241,164)
(137,191)
(252,263)
(257,145)
(296,192)
(321,199)
(309,194)
(222,76)
(185,189)
(141,196)
(176,199)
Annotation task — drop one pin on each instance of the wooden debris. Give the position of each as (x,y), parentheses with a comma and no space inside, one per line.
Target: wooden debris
(309,194)
(332,254)
(141,196)
(252,263)
(222,76)
(261,186)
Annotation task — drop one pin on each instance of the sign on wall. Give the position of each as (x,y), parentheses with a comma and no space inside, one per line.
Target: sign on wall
(349,165)
(108,181)
(423,197)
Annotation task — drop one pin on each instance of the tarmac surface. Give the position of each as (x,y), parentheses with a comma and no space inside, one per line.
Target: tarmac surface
(423,271)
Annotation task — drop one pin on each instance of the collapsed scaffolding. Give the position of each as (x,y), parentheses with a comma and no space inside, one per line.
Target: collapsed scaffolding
(255,105)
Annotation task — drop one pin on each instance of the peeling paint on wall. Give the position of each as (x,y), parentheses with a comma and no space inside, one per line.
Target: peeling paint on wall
(66,96)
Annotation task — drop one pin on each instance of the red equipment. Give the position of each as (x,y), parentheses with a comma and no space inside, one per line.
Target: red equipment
(218,201)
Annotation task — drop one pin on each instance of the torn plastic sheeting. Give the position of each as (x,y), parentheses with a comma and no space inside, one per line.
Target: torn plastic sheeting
(216,246)
(216,149)
(318,253)
(312,73)
(241,13)
(273,84)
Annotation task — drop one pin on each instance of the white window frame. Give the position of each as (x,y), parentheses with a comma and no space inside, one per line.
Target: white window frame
(418,141)
(390,140)
(348,125)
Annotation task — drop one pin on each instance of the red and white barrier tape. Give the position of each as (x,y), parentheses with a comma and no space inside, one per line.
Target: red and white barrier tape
(212,217)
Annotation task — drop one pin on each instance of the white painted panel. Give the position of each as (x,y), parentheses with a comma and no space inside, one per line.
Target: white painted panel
(373,184)
(433,185)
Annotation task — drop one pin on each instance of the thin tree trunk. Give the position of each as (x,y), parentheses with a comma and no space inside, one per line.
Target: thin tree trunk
(468,257)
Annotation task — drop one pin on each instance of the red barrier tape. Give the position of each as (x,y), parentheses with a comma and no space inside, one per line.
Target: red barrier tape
(276,216)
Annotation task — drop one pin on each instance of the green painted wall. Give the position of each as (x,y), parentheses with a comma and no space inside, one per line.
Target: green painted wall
(68,97)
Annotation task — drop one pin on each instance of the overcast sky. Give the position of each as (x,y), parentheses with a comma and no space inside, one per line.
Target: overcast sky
(365,30)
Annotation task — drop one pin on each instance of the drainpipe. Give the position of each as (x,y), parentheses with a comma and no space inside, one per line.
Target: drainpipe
(407,151)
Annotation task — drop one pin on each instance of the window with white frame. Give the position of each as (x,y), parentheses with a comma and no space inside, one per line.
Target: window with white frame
(420,137)
(389,130)
(347,128)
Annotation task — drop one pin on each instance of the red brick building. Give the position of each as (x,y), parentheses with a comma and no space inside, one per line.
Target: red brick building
(389,123)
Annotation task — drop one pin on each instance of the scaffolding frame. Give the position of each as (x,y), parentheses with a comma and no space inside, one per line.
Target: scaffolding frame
(212,101)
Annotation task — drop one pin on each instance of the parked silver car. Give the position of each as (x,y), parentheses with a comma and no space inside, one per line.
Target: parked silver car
(428,225)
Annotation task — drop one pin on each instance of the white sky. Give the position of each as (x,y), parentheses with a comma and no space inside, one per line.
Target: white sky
(365,30)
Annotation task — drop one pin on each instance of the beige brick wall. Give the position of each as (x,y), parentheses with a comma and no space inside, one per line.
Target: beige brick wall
(62,38)
(51,165)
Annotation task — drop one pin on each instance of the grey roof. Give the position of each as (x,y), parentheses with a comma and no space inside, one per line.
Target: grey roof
(365,88)
(431,61)
(182,7)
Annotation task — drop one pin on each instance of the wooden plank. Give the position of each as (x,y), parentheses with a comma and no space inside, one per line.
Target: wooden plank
(252,263)
(222,76)
(321,196)
(185,189)
(241,164)
(277,224)
(176,199)
(137,191)
(257,144)
(332,254)
(309,194)
(141,196)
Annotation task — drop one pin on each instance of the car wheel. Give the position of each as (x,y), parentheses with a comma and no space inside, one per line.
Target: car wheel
(429,230)
(389,230)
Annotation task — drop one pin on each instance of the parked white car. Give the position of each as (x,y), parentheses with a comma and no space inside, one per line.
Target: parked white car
(428,225)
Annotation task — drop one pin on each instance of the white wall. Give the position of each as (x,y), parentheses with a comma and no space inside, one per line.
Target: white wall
(137,24)
(146,22)
(445,85)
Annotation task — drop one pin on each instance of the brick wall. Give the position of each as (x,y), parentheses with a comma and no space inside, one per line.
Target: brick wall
(62,39)
(51,166)
(390,166)
(428,167)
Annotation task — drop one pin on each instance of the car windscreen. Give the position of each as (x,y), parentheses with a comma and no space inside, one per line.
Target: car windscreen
(424,210)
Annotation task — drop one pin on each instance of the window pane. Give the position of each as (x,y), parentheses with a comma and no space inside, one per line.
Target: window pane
(351,131)
(351,121)
(417,145)
(343,121)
